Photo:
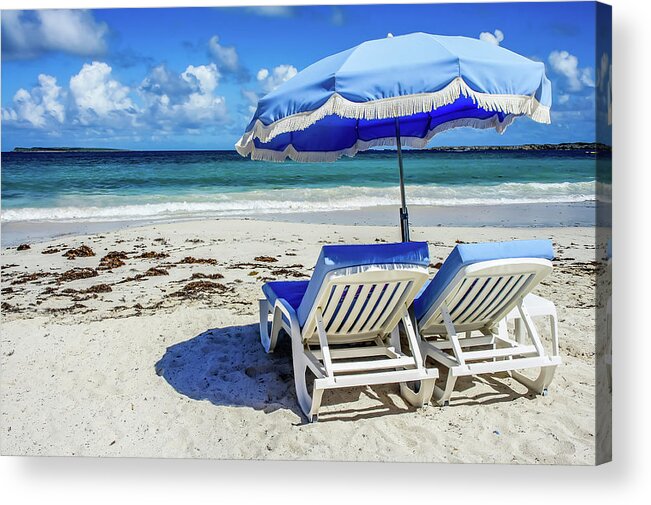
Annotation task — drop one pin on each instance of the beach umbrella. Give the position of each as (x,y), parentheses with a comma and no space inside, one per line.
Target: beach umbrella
(397,91)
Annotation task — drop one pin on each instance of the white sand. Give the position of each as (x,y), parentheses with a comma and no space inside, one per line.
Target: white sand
(139,371)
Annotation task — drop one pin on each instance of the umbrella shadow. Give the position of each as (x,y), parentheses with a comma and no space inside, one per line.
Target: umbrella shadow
(228,367)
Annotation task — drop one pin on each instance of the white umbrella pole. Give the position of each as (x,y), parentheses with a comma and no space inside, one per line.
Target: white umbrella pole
(404,215)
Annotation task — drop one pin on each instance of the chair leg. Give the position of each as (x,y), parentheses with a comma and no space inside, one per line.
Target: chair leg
(425,388)
(421,396)
(394,340)
(519,332)
(443,396)
(309,404)
(269,339)
(265,310)
(540,383)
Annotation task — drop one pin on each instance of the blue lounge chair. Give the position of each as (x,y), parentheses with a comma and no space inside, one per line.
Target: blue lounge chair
(355,300)
(473,292)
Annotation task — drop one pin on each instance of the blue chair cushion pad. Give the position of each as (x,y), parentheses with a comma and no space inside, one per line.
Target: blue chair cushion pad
(292,291)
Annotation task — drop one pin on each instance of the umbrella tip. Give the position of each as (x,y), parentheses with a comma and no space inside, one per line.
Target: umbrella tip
(389,35)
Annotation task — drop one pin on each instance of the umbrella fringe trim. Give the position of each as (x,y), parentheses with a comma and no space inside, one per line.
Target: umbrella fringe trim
(362,145)
(400,106)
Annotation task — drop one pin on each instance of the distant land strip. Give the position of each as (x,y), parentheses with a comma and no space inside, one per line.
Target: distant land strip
(565,146)
(65,149)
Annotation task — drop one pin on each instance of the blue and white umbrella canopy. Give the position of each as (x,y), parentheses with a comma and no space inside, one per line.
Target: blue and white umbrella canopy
(398,91)
(349,102)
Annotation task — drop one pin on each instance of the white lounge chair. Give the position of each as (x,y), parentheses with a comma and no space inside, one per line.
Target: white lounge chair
(343,322)
(462,313)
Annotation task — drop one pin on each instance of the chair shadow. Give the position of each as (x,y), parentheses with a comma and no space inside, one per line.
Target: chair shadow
(228,367)
(381,396)
(501,391)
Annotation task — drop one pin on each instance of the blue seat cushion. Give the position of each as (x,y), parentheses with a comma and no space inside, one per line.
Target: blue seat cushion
(333,257)
(292,291)
(467,254)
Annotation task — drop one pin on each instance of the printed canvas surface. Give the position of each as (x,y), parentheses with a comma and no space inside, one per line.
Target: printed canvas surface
(353,233)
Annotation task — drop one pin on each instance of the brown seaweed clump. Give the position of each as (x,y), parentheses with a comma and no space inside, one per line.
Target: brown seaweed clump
(196,289)
(154,272)
(29,277)
(98,288)
(265,259)
(153,255)
(77,274)
(113,259)
(189,260)
(286,272)
(199,275)
(80,252)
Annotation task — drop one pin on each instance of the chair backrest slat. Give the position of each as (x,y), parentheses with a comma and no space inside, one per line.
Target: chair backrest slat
(382,312)
(515,292)
(456,296)
(492,288)
(356,309)
(333,303)
(399,297)
(368,308)
(500,296)
(470,299)
(385,290)
(346,304)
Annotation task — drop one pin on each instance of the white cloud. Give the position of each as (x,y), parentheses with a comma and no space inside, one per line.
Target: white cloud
(493,38)
(226,56)
(567,64)
(40,107)
(162,81)
(26,34)
(98,104)
(338,18)
(273,11)
(270,80)
(251,98)
(206,77)
(563,98)
(187,100)
(97,96)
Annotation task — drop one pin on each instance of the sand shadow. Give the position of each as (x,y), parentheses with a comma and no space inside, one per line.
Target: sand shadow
(228,366)
(500,390)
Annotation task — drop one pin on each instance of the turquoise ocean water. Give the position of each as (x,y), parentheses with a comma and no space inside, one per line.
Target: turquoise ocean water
(125,186)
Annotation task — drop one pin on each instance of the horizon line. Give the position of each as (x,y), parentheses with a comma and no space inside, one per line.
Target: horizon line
(475,146)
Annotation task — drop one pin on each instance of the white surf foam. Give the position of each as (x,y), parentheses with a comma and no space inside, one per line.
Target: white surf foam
(283,201)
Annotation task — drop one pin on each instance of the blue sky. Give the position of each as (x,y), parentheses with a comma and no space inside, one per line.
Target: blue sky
(189,78)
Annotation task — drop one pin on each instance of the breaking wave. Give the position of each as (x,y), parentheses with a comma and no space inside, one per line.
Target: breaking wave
(284,201)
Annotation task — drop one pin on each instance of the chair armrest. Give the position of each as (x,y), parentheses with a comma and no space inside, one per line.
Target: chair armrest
(289,312)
